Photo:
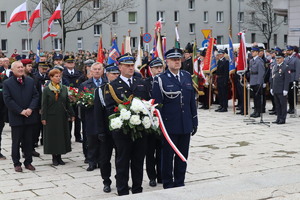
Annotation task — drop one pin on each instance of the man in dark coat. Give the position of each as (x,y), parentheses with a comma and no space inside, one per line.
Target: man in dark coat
(129,152)
(174,90)
(279,87)
(102,130)
(21,99)
(153,156)
(72,75)
(93,144)
(188,64)
(222,73)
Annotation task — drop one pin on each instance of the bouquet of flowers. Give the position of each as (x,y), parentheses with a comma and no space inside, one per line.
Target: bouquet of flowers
(72,94)
(134,117)
(86,97)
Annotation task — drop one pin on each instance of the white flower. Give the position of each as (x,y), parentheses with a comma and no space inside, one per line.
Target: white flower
(135,120)
(116,123)
(146,122)
(136,105)
(156,122)
(125,114)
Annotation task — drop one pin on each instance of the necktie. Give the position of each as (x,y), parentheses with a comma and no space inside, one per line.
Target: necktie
(72,72)
(129,81)
(98,82)
(177,77)
(20,80)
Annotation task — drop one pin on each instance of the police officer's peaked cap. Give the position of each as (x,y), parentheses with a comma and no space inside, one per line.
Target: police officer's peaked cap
(155,62)
(277,49)
(44,65)
(188,48)
(255,48)
(89,62)
(60,68)
(289,48)
(173,53)
(221,51)
(69,58)
(112,68)
(126,59)
(279,55)
(57,57)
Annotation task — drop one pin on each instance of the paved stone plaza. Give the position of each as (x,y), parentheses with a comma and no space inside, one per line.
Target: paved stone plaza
(228,160)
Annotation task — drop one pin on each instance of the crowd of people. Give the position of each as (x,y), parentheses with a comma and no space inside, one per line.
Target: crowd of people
(36,102)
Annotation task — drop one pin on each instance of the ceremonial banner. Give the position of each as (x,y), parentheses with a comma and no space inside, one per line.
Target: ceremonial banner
(36,14)
(195,76)
(127,45)
(114,53)
(208,58)
(138,62)
(242,57)
(37,56)
(18,14)
(100,56)
(231,57)
(177,44)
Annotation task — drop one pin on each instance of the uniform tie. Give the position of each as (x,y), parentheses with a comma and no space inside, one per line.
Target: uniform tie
(98,82)
(177,77)
(129,81)
(72,72)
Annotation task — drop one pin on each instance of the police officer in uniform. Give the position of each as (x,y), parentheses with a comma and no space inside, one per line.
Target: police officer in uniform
(257,71)
(129,153)
(153,156)
(102,130)
(293,62)
(222,73)
(279,87)
(174,90)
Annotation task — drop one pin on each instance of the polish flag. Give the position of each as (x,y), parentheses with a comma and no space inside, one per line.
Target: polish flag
(55,15)
(18,14)
(36,14)
(242,57)
(49,34)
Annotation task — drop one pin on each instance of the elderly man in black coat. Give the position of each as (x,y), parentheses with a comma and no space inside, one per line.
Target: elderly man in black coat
(21,99)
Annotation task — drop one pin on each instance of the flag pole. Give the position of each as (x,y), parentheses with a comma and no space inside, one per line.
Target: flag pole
(28,32)
(42,26)
(231,75)
(62,26)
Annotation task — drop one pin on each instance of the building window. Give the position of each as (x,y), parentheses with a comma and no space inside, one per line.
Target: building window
(80,43)
(57,43)
(96,4)
(240,17)
(275,18)
(192,28)
(285,20)
(220,39)
(264,27)
(132,17)
(252,16)
(4,45)
(133,41)
(264,5)
(176,16)
(191,4)
(275,39)
(205,16)
(253,37)
(114,17)
(219,16)
(79,16)
(28,16)
(160,15)
(25,45)
(285,38)
(3,17)
(97,29)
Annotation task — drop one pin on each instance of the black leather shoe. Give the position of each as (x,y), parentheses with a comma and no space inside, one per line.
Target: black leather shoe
(253,114)
(256,115)
(78,140)
(54,160)
(272,113)
(152,183)
(106,188)
(291,111)
(91,168)
(218,110)
(223,110)
(281,122)
(275,122)
(35,154)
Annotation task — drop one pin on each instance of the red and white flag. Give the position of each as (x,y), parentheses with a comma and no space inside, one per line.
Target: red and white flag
(49,34)
(55,15)
(36,14)
(242,57)
(18,14)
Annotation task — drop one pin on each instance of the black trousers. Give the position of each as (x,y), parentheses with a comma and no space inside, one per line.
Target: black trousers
(222,83)
(173,168)
(2,124)
(21,134)
(257,96)
(93,153)
(281,106)
(84,139)
(106,149)
(77,125)
(129,154)
(153,158)
(291,96)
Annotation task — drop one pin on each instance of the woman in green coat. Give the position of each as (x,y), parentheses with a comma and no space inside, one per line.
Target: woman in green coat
(56,111)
